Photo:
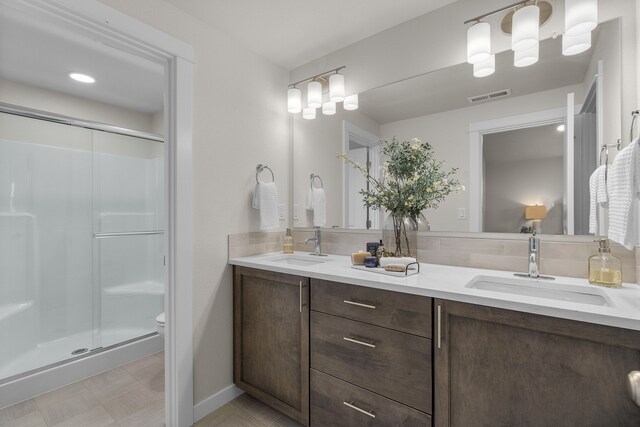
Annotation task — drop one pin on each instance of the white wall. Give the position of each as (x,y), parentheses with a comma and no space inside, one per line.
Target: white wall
(239,120)
(448,133)
(37,98)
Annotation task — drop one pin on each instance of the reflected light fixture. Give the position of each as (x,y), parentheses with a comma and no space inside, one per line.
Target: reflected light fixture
(524,58)
(525,28)
(560,128)
(314,94)
(580,16)
(336,87)
(351,102)
(478,42)
(294,100)
(82,78)
(573,45)
(486,67)
(536,213)
(309,113)
(328,85)
(329,108)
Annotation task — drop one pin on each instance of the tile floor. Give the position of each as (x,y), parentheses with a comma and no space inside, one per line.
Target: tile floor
(130,395)
(246,411)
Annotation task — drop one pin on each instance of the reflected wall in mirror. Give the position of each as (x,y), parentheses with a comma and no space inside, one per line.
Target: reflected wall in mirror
(527,105)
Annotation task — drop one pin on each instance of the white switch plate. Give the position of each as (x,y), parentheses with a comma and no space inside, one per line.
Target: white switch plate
(281,212)
(462,213)
(296,214)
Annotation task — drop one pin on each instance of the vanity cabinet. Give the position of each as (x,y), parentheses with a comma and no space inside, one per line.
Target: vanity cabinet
(271,339)
(370,357)
(497,367)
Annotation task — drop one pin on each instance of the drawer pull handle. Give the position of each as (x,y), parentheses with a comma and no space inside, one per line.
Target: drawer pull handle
(360,304)
(352,406)
(366,344)
(300,291)
(439,327)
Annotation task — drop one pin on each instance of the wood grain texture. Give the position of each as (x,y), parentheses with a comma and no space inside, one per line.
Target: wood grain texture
(399,367)
(271,339)
(504,368)
(394,310)
(327,407)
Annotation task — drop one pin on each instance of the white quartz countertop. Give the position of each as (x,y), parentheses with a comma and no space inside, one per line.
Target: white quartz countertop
(450,283)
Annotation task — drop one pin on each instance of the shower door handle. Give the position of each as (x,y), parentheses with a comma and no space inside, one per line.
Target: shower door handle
(127,233)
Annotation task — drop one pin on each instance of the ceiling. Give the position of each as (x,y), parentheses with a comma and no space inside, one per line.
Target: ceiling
(294,32)
(48,51)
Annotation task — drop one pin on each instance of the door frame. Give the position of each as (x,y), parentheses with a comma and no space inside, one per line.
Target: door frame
(477,130)
(117,29)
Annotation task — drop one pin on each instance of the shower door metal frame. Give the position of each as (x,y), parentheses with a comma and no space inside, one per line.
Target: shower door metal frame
(109,26)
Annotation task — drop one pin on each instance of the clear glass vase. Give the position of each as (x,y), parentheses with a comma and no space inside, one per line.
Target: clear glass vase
(400,235)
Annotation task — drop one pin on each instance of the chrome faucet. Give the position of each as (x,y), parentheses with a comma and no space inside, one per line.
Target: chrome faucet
(534,260)
(317,241)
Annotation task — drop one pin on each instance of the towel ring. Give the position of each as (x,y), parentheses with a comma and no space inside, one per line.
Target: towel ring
(262,167)
(312,179)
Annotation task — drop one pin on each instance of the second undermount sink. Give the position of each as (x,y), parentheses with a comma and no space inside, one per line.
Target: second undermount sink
(532,288)
(300,260)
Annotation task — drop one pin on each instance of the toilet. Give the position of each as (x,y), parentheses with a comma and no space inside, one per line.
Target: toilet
(160,325)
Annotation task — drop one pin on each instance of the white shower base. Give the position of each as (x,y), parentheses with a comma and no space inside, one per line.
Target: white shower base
(56,351)
(71,369)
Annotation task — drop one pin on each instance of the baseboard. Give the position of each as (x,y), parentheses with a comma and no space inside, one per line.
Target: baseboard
(211,403)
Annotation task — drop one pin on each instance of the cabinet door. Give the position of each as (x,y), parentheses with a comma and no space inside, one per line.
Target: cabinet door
(271,339)
(498,367)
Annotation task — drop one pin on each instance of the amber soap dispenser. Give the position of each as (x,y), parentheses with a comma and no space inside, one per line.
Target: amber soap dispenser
(605,269)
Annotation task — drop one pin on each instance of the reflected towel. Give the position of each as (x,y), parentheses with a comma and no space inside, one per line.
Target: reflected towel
(319,204)
(265,198)
(623,186)
(309,204)
(598,197)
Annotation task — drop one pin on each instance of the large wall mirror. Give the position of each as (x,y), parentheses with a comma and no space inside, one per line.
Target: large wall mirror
(522,137)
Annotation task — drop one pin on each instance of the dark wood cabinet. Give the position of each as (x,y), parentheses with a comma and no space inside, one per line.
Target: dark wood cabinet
(497,367)
(271,339)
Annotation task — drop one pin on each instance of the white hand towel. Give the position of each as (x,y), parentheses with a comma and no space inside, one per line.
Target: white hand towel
(593,204)
(265,198)
(309,204)
(623,182)
(319,207)
(602,194)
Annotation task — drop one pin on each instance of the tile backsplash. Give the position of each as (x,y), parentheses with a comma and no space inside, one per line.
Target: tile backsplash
(460,249)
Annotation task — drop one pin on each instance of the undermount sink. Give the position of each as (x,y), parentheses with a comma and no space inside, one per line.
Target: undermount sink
(300,260)
(539,289)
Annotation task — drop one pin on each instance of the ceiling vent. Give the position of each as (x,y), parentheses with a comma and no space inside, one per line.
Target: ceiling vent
(489,96)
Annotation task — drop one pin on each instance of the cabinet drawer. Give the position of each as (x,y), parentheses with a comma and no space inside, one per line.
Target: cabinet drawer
(394,364)
(394,310)
(337,403)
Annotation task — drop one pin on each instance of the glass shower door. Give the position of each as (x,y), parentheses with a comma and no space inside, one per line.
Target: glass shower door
(129,236)
(45,243)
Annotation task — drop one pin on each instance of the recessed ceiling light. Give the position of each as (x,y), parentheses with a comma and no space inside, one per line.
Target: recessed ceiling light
(83,78)
(560,128)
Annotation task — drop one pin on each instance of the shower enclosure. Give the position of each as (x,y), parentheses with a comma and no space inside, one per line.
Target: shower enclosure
(81,240)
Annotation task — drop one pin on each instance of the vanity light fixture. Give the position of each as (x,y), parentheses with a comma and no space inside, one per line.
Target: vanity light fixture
(82,78)
(331,85)
(523,21)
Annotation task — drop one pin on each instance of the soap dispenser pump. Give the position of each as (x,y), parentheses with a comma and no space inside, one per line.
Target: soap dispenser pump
(605,269)
(287,244)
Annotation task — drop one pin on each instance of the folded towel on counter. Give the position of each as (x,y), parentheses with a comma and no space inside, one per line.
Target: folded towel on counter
(598,197)
(623,185)
(319,204)
(265,198)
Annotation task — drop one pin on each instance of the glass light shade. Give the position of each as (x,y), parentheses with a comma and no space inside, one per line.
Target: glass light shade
(294,100)
(314,94)
(329,108)
(351,102)
(478,42)
(525,28)
(573,45)
(336,88)
(580,16)
(524,58)
(309,113)
(485,68)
